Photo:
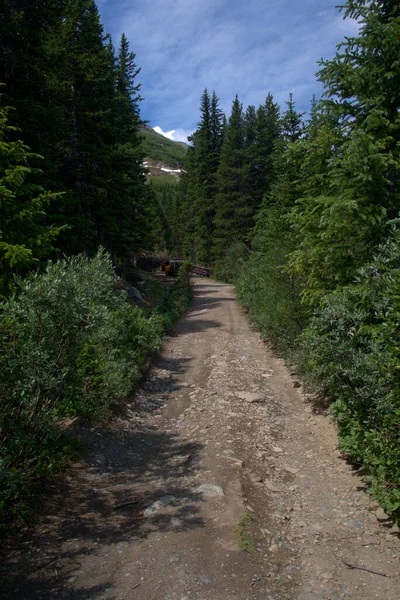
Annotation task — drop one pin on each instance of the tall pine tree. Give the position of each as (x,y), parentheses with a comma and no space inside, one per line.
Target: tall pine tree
(342,225)
(25,239)
(203,161)
(233,206)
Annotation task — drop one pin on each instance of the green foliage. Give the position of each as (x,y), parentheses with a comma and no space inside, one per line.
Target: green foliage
(200,181)
(244,534)
(272,299)
(246,519)
(269,293)
(262,130)
(230,267)
(175,303)
(355,146)
(70,344)
(185,273)
(352,353)
(167,222)
(233,211)
(78,106)
(24,236)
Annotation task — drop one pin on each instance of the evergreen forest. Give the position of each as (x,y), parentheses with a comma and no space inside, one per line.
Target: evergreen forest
(299,210)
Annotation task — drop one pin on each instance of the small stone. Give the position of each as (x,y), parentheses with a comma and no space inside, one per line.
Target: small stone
(252,397)
(158,505)
(205,579)
(211,490)
(179,460)
(380,513)
(274,548)
(99,459)
(256,479)
(277,449)
(132,291)
(273,487)
(292,470)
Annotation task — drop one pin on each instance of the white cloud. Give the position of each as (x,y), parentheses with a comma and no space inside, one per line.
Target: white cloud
(176,135)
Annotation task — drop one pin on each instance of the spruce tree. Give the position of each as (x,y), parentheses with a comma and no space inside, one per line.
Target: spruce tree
(342,225)
(127,93)
(130,205)
(81,89)
(24,63)
(262,130)
(217,122)
(202,164)
(233,206)
(271,295)
(25,239)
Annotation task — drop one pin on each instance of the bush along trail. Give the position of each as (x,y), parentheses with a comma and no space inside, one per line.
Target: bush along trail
(71,345)
(218,480)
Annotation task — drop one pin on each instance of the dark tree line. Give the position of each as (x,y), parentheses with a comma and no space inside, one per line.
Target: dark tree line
(230,169)
(75,104)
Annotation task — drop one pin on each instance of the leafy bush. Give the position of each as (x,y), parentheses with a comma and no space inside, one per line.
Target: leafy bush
(185,273)
(175,304)
(230,266)
(272,298)
(352,350)
(70,344)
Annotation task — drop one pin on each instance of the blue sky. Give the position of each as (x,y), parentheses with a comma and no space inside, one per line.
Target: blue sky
(244,47)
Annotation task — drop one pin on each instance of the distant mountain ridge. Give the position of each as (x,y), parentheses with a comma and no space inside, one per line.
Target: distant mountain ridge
(164,157)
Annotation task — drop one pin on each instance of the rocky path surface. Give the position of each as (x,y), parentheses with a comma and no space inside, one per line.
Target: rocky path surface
(219,482)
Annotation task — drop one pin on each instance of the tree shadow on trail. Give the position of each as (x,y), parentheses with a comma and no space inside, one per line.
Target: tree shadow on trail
(100,504)
(197,317)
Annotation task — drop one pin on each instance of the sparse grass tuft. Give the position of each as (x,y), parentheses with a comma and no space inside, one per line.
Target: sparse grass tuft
(246,519)
(245,541)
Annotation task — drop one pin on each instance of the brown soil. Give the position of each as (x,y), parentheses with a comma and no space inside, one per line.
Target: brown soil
(219,481)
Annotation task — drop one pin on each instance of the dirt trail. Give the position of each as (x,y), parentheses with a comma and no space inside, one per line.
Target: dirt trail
(219,482)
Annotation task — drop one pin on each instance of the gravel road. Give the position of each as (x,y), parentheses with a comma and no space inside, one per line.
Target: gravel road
(219,480)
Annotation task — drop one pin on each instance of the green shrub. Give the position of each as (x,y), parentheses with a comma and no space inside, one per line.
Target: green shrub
(175,304)
(352,350)
(272,299)
(229,268)
(185,273)
(70,344)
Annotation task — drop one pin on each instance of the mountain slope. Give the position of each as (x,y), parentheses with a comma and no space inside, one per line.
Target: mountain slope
(160,149)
